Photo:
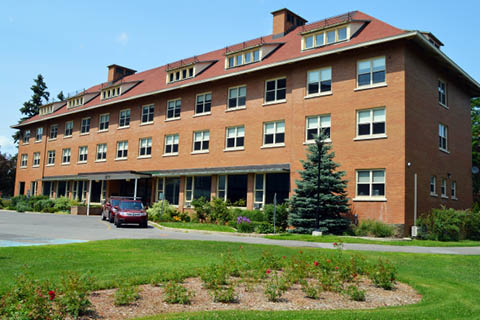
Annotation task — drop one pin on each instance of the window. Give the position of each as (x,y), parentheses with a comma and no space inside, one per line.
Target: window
(442,93)
(39,134)
(454,190)
(111,93)
(171,144)
(433,186)
(317,125)
(26,136)
(36,159)
(235,138)
(51,158)
(371,183)
(371,122)
(169,189)
(68,128)
(145,148)
(197,187)
(275,90)
(274,133)
(85,128)
(181,74)
(237,97)
(243,58)
(201,140)
(122,150)
(443,188)
(82,154)
(101,152)
(233,189)
(75,102)
(259,190)
(104,122)
(124,121)
(24,161)
(319,81)
(204,103)
(443,137)
(53,131)
(173,108)
(147,113)
(317,39)
(371,72)
(66,153)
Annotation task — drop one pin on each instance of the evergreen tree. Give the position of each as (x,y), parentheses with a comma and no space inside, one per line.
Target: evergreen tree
(329,195)
(7,174)
(61,96)
(31,107)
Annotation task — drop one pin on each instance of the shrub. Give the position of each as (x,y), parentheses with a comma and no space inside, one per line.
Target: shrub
(22,207)
(74,291)
(244,225)
(355,293)
(472,225)
(224,294)
(43,204)
(262,227)
(62,204)
(126,295)
(155,212)
(274,288)
(253,215)
(202,208)
(219,211)
(214,276)
(374,228)
(281,215)
(383,274)
(7,203)
(442,224)
(15,200)
(175,293)
(311,289)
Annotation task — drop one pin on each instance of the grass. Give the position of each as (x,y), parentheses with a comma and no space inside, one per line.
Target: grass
(347,239)
(198,226)
(450,285)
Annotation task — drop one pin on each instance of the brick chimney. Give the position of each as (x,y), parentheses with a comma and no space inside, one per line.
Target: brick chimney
(116,72)
(285,21)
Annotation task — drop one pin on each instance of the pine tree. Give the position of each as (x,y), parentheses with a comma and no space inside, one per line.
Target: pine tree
(31,107)
(329,194)
(60,96)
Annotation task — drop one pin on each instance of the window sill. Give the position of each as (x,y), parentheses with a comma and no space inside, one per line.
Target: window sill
(444,150)
(67,137)
(200,152)
(52,139)
(233,149)
(170,154)
(144,157)
(38,141)
(444,197)
(104,130)
(370,137)
(454,198)
(124,127)
(121,159)
(444,106)
(35,166)
(85,134)
(82,162)
(236,109)
(102,160)
(282,145)
(274,102)
(201,114)
(25,143)
(371,86)
(369,199)
(50,165)
(309,142)
(172,119)
(23,167)
(433,195)
(146,123)
(66,164)
(316,95)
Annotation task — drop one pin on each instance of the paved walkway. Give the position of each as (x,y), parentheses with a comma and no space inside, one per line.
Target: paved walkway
(20,229)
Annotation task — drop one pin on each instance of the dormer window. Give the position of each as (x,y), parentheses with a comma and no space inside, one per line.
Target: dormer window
(75,102)
(181,74)
(242,58)
(314,39)
(46,110)
(111,92)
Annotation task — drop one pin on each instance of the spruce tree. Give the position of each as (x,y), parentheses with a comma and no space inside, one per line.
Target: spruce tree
(329,195)
(60,96)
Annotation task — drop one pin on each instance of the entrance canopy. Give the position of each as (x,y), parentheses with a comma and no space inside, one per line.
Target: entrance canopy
(268,168)
(112,175)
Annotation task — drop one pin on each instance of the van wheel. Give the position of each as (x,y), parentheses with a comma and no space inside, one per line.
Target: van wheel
(143,224)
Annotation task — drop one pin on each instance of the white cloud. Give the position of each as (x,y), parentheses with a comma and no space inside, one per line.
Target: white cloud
(122,38)
(7,145)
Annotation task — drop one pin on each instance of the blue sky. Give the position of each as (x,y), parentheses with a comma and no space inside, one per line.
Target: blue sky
(71,42)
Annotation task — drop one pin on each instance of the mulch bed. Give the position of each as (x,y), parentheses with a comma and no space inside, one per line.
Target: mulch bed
(151,300)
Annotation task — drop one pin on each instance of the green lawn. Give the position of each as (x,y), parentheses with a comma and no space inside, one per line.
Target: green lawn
(450,285)
(198,226)
(347,239)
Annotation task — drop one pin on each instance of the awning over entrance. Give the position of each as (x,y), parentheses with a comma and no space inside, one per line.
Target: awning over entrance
(113,175)
(269,168)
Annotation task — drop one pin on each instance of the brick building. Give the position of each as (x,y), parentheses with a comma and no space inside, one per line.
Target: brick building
(234,123)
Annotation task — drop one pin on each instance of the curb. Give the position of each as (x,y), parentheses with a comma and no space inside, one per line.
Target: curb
(236,234)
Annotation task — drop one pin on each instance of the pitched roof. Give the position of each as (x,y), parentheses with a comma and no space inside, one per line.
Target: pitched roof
(153,80)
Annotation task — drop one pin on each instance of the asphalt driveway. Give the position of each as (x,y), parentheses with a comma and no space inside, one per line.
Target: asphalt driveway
(22,229)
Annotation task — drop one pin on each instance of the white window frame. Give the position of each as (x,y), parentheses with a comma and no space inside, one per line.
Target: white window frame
(187,199)
(371,84)
(53,132)
(143,147)
(111,92)
(150,113)
(174,103)
(443,189)
(240,59)
(103,120)
(101,155)
(225,187)
(202,141)
(125,117)
(237,97)
(235,137)
(324,33)
(371,122)
(39,134)
(260,204)
(82,153)
(275,129)
(26,137)
(51,158)
(183,73)
(36,160)
(276,100)
(82,125)
(66,153)
(319,126)
(205,95)
(443,94)
(122,146)
(24,160)
(67,128)
(320,80)
(174,138)
(453,190)
(370,197)
(433,183)
(443,138)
